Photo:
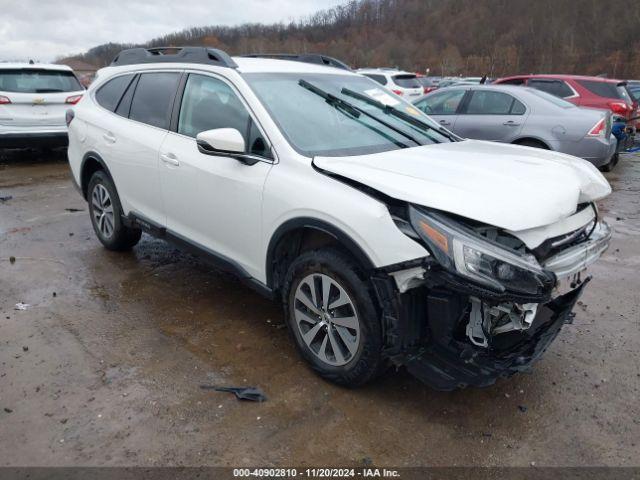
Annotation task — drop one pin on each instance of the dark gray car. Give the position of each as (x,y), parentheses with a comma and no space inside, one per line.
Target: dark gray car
(524,116)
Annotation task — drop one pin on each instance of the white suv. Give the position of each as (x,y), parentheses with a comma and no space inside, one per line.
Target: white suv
(33,102)
(401,83)
(388,239)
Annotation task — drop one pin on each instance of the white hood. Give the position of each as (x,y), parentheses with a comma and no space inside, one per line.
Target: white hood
(507,186)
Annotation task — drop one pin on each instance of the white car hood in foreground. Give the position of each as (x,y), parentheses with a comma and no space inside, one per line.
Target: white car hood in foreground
(507,186)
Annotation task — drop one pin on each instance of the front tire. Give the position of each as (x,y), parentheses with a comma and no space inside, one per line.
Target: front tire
(332,317)
(106,214)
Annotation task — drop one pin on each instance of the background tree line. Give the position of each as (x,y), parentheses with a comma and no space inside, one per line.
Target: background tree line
(450,37)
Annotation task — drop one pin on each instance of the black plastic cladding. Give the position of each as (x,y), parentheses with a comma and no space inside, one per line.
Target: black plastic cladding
(201,55)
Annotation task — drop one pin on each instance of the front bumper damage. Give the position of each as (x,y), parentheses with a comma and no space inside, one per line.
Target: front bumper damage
(451,334)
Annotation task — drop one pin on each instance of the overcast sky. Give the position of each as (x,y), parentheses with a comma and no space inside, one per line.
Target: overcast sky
(46,29)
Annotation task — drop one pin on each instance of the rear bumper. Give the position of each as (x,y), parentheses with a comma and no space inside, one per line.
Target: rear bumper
(595,150)
(50,137)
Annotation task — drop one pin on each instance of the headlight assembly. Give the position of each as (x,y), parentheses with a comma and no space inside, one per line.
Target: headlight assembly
(461,251)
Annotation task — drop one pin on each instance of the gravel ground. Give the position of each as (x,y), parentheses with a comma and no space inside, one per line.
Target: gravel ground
(104,365)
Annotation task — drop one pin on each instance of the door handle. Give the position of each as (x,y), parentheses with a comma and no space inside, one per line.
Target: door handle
(170,159)
(444,122)
(511,123)
(109,137)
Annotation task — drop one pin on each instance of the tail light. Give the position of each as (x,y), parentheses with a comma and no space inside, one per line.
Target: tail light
(69,115)
(73,99)
(620,108)
(598,129)
(397,92)
(4,100)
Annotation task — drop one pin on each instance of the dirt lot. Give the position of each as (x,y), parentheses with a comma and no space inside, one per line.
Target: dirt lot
(104,366)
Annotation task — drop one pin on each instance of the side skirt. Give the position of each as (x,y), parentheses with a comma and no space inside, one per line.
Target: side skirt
(215,259)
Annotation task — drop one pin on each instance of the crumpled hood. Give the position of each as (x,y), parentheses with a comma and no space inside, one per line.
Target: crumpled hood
(507,186)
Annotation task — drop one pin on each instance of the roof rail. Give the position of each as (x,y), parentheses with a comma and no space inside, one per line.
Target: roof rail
(315,58)
(209,56)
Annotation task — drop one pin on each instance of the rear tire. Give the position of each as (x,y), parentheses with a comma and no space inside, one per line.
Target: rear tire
(340,336)
(611,165)
(106,213)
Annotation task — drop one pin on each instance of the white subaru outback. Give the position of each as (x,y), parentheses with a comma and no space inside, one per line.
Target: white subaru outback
(389,240)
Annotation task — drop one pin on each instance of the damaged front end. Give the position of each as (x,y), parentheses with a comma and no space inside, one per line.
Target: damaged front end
(483,305)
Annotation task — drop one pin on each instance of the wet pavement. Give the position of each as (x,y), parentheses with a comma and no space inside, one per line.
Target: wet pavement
(103,367)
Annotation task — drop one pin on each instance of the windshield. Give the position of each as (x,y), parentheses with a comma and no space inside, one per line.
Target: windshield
(315,126)
(34,80)
(551,98)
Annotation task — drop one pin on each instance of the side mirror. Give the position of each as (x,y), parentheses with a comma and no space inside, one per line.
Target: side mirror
(221,141)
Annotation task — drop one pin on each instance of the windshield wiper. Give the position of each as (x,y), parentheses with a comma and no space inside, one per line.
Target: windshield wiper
(388,109)
(338,102)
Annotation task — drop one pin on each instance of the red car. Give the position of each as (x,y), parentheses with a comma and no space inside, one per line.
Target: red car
(594,92)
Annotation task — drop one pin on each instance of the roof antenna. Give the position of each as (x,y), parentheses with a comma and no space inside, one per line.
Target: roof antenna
(31,62)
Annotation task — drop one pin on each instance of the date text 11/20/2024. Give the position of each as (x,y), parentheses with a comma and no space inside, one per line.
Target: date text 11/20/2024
(317,472)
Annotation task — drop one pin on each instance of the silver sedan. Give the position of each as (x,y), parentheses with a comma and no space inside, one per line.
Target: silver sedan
(523,116)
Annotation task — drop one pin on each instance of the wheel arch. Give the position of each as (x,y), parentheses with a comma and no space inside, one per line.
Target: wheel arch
(520,140)
(304,233)
(91,163)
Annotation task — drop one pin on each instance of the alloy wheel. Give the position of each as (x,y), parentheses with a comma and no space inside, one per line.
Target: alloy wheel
(327,320)
(102,210)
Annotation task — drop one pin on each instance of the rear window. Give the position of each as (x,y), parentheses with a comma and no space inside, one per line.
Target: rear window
(552,98)
(153,98)
(406,81)
(37,80)
(605,89)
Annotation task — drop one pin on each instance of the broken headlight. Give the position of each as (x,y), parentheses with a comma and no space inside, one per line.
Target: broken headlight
(461,251)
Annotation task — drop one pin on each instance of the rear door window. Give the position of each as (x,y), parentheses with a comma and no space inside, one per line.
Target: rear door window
(153,98)
(110,93)
(490,103)
(406,81)
(38,80)
(554,87)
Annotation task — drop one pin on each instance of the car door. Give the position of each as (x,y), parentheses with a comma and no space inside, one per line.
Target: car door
(130,141)
(491,115)
(215,202)
(443,106)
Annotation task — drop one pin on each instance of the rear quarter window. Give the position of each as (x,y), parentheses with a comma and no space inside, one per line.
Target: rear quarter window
(108,95)
(377,78)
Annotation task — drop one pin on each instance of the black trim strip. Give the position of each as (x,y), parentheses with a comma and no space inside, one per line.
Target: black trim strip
(215,259)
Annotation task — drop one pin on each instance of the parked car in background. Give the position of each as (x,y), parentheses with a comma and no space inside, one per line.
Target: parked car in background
(429,84)
(33,102)
(450,82)
(524,116)
(634,89)
(401,83)
(595,92)
(387,239)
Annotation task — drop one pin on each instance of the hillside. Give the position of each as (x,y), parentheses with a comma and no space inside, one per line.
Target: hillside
(493,37)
